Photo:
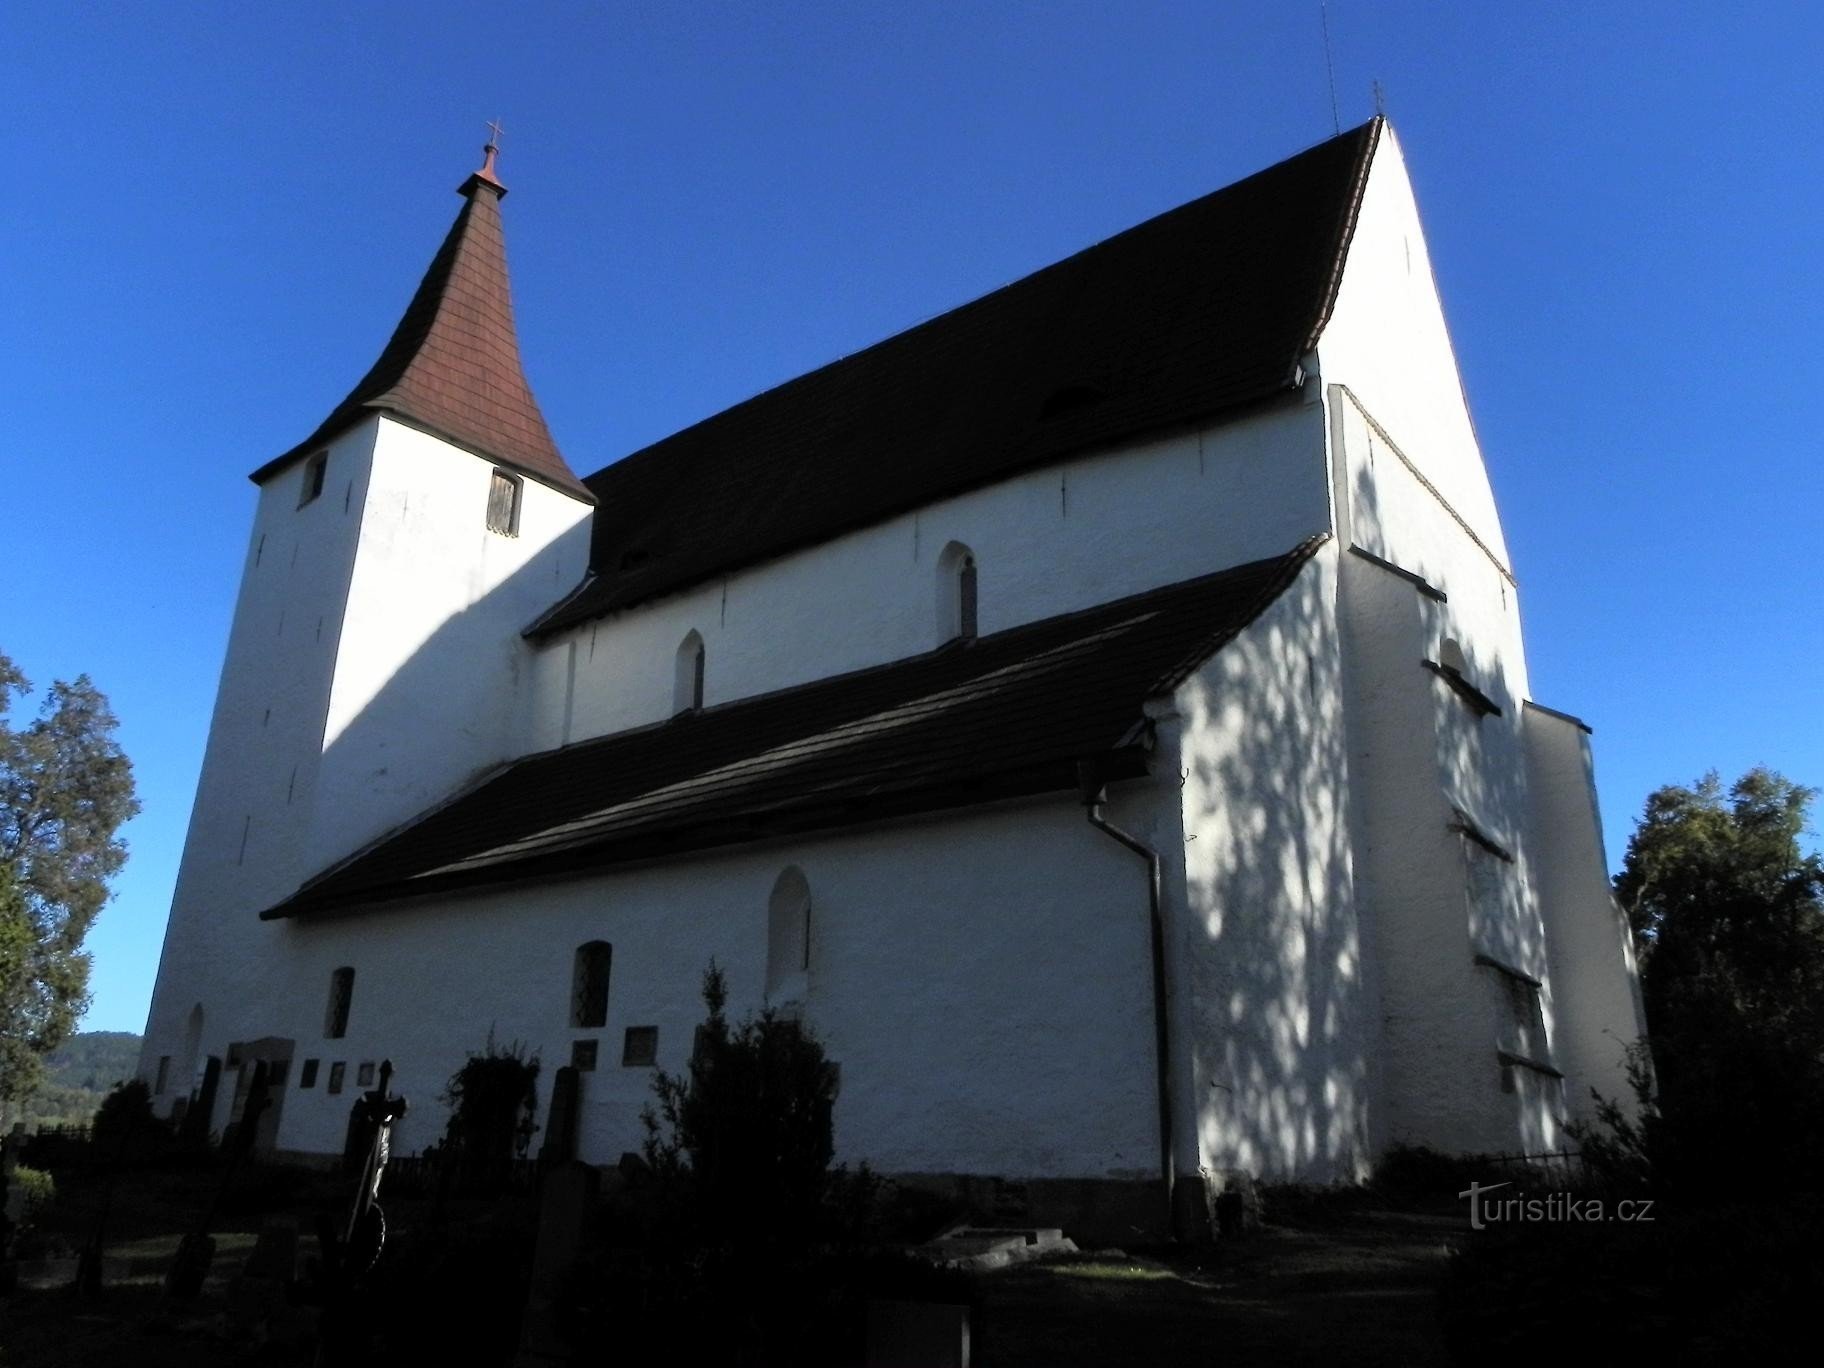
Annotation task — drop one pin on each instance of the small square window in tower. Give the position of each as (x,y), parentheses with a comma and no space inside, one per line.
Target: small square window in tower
(589,984)
(315,469)
(503,504)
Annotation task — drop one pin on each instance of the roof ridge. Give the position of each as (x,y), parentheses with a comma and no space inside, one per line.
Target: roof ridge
(1203,310)
(1371,130)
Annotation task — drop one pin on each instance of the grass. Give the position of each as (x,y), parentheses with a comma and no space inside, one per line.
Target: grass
(1111,1272)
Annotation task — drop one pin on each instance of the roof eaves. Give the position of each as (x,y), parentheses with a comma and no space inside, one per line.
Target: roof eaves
(1293,567)
(1339,257)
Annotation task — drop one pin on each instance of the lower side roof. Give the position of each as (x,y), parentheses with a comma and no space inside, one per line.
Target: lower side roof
(1002,716)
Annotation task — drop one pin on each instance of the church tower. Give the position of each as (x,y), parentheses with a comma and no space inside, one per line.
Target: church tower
(375,662)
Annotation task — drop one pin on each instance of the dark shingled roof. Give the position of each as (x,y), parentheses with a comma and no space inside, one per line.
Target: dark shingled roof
(1003,716)
(1204,309)
(452,365)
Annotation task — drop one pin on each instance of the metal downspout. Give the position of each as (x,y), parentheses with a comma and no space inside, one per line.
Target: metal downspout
(1095,794)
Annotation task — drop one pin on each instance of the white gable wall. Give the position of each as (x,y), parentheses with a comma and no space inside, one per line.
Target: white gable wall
(1047,542)
(1411,490)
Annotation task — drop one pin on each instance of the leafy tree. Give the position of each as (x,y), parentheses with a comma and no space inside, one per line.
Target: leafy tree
(65,790)
(1729,911)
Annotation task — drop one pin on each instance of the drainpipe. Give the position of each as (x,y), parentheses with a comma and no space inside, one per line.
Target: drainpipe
(1095,793)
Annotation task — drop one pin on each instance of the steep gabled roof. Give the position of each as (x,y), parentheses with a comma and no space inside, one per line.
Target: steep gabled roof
(452,365)
(1003,716)
(1199,311)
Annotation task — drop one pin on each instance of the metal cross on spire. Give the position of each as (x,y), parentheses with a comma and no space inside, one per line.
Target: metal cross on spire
(490,152)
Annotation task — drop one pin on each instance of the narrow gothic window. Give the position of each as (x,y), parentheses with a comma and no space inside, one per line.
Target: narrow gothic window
(341,994)
(687,686)
(788,935)
(956,594)
(314,471)
(589,984)
(503,504)
(337,1072)
(308,1078)
(164,1073)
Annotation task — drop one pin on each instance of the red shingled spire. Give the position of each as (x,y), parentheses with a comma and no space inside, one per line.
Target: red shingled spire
(452,365)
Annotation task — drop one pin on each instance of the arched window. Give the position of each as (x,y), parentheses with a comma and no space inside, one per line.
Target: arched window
(956,593)
(687,688)
(589,984)
(341,996)
(788,935)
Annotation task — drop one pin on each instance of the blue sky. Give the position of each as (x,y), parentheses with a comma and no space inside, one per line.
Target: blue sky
(214,214)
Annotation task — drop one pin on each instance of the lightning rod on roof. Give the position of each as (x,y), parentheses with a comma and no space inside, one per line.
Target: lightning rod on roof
(1380,101)
(1336,119)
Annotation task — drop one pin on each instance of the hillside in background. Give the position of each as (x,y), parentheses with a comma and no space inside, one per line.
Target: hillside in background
(80,1072)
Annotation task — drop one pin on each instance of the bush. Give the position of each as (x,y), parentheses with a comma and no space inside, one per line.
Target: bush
(124,1120)
(39,1189)
(493,1101)
(744,1137)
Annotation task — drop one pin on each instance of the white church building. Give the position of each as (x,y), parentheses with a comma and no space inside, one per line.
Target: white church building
(1100,711)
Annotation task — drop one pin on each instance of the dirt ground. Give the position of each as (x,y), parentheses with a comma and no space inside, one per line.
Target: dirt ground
(1323,1277)
(1360,1283)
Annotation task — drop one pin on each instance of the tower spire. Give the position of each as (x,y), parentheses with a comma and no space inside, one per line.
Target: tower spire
(452,365)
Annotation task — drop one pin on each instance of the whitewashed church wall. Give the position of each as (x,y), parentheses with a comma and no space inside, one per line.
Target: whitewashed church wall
(1594,975)
(431,674)
(247,823)
(983,981)
(1047,542)
(1278,969)
(1435,1070)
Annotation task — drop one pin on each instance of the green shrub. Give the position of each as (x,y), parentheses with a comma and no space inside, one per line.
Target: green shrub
(124,1120)
(40,1191)
(744,1137)
(493,1101)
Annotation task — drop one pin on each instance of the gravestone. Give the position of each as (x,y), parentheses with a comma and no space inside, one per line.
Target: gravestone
(560,1124)
(907,1334)
(197,1118)
(565,1206)
(259,1299)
